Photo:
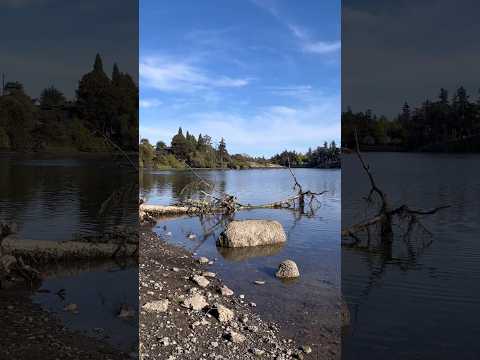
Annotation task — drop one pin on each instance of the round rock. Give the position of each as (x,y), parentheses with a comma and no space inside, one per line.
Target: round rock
(287,269)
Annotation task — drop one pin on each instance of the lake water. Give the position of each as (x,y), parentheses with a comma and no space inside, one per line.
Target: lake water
(59,198)
(420,304)
(307,307)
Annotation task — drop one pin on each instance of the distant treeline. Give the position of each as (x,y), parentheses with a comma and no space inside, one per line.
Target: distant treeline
(327,156)
(447,124)
(104,112)
(200,152)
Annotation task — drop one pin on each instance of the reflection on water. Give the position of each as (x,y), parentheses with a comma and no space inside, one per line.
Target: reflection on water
(307,305)
(241,254)
(59,198)
(417,299)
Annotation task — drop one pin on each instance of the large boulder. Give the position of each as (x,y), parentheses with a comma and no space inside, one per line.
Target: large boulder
(245,233)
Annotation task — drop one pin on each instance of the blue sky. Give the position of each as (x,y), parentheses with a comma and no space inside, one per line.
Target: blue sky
(265,75)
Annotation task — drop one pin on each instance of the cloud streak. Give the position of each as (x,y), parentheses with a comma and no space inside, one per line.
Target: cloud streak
(306,43)
(170,75)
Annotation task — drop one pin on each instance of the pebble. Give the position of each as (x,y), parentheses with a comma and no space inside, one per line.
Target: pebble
(225,291)
(203,260)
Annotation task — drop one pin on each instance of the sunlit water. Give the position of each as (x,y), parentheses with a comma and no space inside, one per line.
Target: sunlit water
(59,198)
(423,306)
(306,306)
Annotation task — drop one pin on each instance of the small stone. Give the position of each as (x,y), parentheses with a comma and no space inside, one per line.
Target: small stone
(306,349)
(225,291)
(253,304)
(234,337)
(200,281)
(222,313)
(157,306)
(259,282)
(175,269)
(203,260)
(287,269)
(165,341)
(192,236)
(214,344)
(257,352)
(209,274)
(242,296)
(195,302)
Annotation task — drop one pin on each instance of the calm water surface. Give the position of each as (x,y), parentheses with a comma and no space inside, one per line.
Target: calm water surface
(422,305)
(308,305)
(58,198)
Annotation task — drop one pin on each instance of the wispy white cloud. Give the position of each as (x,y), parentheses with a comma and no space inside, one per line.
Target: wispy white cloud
(321,47)
(306,41)
(313,46)
(296,91)
(174,75)
(149,103)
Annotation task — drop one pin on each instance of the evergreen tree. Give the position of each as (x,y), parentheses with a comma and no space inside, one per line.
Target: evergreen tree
(179,146)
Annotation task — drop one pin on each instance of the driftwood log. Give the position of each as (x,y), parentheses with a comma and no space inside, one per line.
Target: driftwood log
(44,251)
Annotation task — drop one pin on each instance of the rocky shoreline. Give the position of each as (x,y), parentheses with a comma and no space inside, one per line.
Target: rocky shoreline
(187,312)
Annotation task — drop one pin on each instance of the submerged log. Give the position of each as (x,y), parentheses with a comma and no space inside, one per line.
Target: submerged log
(245,233)
(41,251)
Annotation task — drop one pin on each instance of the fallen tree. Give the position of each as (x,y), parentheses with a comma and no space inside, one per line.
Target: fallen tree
(386,213)
(204,200)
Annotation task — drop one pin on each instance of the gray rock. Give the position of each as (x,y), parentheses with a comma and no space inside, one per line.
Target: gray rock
(225,291)
(222,313)
(156,306)
(234,337)
(200,281)
(203,260)
(195,302)
(245,233)
(287,269)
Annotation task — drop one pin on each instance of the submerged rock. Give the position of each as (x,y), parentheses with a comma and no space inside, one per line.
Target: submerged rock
(287,269)
(246,233)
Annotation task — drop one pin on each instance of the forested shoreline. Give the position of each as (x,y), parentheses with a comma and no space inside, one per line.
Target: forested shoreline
(102,117)
(187,150)
(450,124)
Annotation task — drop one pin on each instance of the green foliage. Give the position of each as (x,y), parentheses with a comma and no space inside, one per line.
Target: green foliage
(428,125)
(189,151)
(17,118)
(321,157)
(103,109)
(51,97)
